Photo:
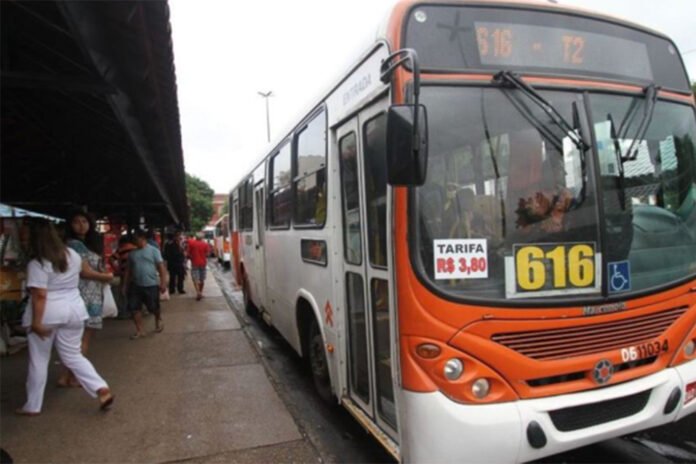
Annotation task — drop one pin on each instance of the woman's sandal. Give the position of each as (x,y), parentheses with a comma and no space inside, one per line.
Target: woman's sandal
(137,336)
(22,412)
(106,399)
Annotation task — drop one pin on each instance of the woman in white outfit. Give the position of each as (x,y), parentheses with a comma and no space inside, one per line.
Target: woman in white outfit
(56,314)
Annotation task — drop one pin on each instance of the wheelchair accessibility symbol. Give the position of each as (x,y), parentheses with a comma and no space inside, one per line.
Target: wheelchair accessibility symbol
(619,276)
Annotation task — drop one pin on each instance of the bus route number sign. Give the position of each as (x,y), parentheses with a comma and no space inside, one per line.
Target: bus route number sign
(546,269)
(461,259)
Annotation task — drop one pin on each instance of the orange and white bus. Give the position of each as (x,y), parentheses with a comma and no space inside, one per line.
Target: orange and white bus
(483,238)
(221,241)
(233,224)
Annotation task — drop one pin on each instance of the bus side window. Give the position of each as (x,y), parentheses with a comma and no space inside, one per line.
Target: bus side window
(246,222)
(280,194)
(375,136)
(310,178)
(351,200)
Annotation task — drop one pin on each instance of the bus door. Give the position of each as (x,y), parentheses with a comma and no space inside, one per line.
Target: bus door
(362,161)
(259,285)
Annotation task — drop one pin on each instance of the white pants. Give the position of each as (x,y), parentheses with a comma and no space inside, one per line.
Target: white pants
(68,340)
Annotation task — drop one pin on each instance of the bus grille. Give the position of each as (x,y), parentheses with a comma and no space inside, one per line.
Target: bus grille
(556,379)
(588,415)
(588,339)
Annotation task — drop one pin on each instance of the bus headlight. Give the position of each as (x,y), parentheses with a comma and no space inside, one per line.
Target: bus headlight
(687,350)
(690,348)
(480,388)
(431,365)
(453,369)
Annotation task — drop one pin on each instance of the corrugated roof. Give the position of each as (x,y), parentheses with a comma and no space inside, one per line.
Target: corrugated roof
(90,111)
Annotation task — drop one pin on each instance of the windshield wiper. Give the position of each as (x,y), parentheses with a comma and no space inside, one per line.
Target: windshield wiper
(621,191)
(512,79)
(650,93)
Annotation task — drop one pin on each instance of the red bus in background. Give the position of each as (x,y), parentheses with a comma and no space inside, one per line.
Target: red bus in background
(233,203)
(221,241)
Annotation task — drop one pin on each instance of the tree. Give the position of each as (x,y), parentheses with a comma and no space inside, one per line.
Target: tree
(200,199)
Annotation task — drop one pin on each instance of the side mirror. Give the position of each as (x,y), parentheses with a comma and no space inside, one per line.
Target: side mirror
(407,145)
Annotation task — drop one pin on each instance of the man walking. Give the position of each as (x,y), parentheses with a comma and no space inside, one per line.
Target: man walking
(175,258)
(119,262)
(198,252)
(143,283)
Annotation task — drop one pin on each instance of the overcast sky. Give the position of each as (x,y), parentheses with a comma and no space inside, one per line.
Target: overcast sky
(225,52)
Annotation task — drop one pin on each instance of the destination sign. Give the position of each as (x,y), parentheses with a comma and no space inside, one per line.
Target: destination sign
(528,40)
(505,44)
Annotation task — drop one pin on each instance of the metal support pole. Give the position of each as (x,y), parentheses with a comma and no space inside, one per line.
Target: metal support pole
(266,95)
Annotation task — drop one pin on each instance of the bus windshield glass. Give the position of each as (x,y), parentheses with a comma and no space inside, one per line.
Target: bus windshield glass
(649,198)
(510,208)
(462,38)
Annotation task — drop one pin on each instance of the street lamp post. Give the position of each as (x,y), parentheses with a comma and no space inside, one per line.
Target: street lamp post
(265,95)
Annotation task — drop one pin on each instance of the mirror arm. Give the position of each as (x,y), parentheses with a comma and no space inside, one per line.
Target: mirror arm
(387,71)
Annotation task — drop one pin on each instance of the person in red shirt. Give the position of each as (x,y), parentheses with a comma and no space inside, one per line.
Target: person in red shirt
(198,252)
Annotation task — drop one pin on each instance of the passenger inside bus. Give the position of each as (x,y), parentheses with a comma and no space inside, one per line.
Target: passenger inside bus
(431,197)
(450,215)
(468,203)
(462,214)
(320,199)
(471,222)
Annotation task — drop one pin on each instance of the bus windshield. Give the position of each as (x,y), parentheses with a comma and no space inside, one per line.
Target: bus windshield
(510,207)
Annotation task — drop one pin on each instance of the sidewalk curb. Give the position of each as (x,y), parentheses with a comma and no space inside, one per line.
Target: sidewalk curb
(244,327)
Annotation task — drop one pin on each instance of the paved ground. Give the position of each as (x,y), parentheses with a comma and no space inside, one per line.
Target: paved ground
(196,392)
(333,432)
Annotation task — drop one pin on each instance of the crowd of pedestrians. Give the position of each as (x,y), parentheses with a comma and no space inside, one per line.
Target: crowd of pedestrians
(67,280)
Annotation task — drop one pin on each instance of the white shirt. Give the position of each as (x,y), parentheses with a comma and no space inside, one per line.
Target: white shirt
(63,301)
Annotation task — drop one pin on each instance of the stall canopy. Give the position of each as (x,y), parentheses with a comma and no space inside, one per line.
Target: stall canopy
(7,211)
(90,115)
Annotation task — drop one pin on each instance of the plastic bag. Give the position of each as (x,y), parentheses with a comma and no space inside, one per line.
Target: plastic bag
(109,308)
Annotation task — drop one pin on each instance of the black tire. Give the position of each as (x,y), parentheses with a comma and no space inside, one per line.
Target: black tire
(249,306)
(318,365)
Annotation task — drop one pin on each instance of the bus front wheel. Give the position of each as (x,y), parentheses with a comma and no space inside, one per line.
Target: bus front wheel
(318,363)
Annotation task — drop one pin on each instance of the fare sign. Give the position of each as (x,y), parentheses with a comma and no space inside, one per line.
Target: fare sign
(461,259)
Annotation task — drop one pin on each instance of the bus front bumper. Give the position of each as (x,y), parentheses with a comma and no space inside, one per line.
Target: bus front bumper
(437,429)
